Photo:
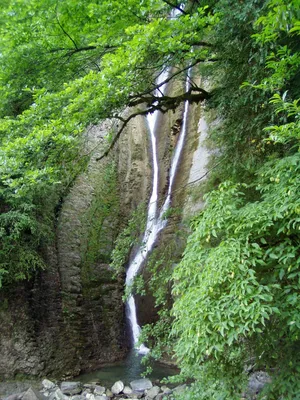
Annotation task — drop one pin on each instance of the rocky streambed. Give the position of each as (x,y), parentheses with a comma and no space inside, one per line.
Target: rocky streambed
(144,389)
(137,389)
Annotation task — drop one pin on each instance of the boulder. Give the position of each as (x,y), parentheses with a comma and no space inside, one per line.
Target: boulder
(71,388)
(57,395)
(160,396)
(257,381)
(99,390)
(140,385)
(167,391)
(118,387)
(48,385)
(16,396)
(127,390)
(33,394)
(153,392)
(109,393)
(136,395)
(89,386)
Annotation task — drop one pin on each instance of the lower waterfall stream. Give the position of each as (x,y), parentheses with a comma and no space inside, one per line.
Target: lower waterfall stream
(155,224)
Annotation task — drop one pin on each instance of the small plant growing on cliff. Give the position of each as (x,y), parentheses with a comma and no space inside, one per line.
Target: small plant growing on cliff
(137,287)
(130,236)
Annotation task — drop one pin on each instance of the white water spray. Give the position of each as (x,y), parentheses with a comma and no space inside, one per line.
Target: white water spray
(154,224)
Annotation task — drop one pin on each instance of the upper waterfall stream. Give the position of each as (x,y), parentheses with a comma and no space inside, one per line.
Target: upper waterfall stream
(154,223)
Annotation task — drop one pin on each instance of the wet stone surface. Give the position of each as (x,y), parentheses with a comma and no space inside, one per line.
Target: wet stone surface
(137,389)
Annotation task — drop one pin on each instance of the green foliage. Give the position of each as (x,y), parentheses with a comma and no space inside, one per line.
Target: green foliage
(63,66)
(243,113)
(159,269)
(137,287)
(236,289)
(129,237)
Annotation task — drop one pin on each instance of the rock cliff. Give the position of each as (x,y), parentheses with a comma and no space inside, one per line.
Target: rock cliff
(70,317)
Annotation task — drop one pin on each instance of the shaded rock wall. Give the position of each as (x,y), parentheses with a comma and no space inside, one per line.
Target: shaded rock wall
(134,166)
(70,318)
(92,304)
(30,327)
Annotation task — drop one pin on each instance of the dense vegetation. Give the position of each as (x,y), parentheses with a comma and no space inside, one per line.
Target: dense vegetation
(67,64)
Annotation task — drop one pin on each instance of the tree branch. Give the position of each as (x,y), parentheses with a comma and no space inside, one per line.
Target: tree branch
(76,50)
(155,103)
(159,85)
(175,6)
(62,28)
(118,134)
(170,103)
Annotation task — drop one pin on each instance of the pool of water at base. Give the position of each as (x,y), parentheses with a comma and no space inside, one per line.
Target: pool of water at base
(127,370)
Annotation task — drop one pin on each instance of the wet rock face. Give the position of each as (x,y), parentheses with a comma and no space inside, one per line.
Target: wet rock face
(92,303)
(30,325)
(71,316)
(134,165)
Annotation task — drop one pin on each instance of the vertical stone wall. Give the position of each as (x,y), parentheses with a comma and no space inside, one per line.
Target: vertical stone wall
(134,165)
(70,317)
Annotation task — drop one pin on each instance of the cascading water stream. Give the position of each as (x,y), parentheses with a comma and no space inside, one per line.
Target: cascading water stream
(154,224)
(174,164)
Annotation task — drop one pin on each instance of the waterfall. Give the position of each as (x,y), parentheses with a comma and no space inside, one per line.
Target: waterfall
(154,223)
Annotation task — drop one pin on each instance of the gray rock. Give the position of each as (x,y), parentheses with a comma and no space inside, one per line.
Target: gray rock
(8,389)
(127,390)
(162,396)
(167,391)
(48,385)
(257,381)
(99,390)
(71,388)
(16,396)
(118,387)
(136,395)
(102,397)
(140,385)
(126,398)
(109,393)
(33,394)
(90,396)
(89,386)
(153,392)
(57,395)
(77,397)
